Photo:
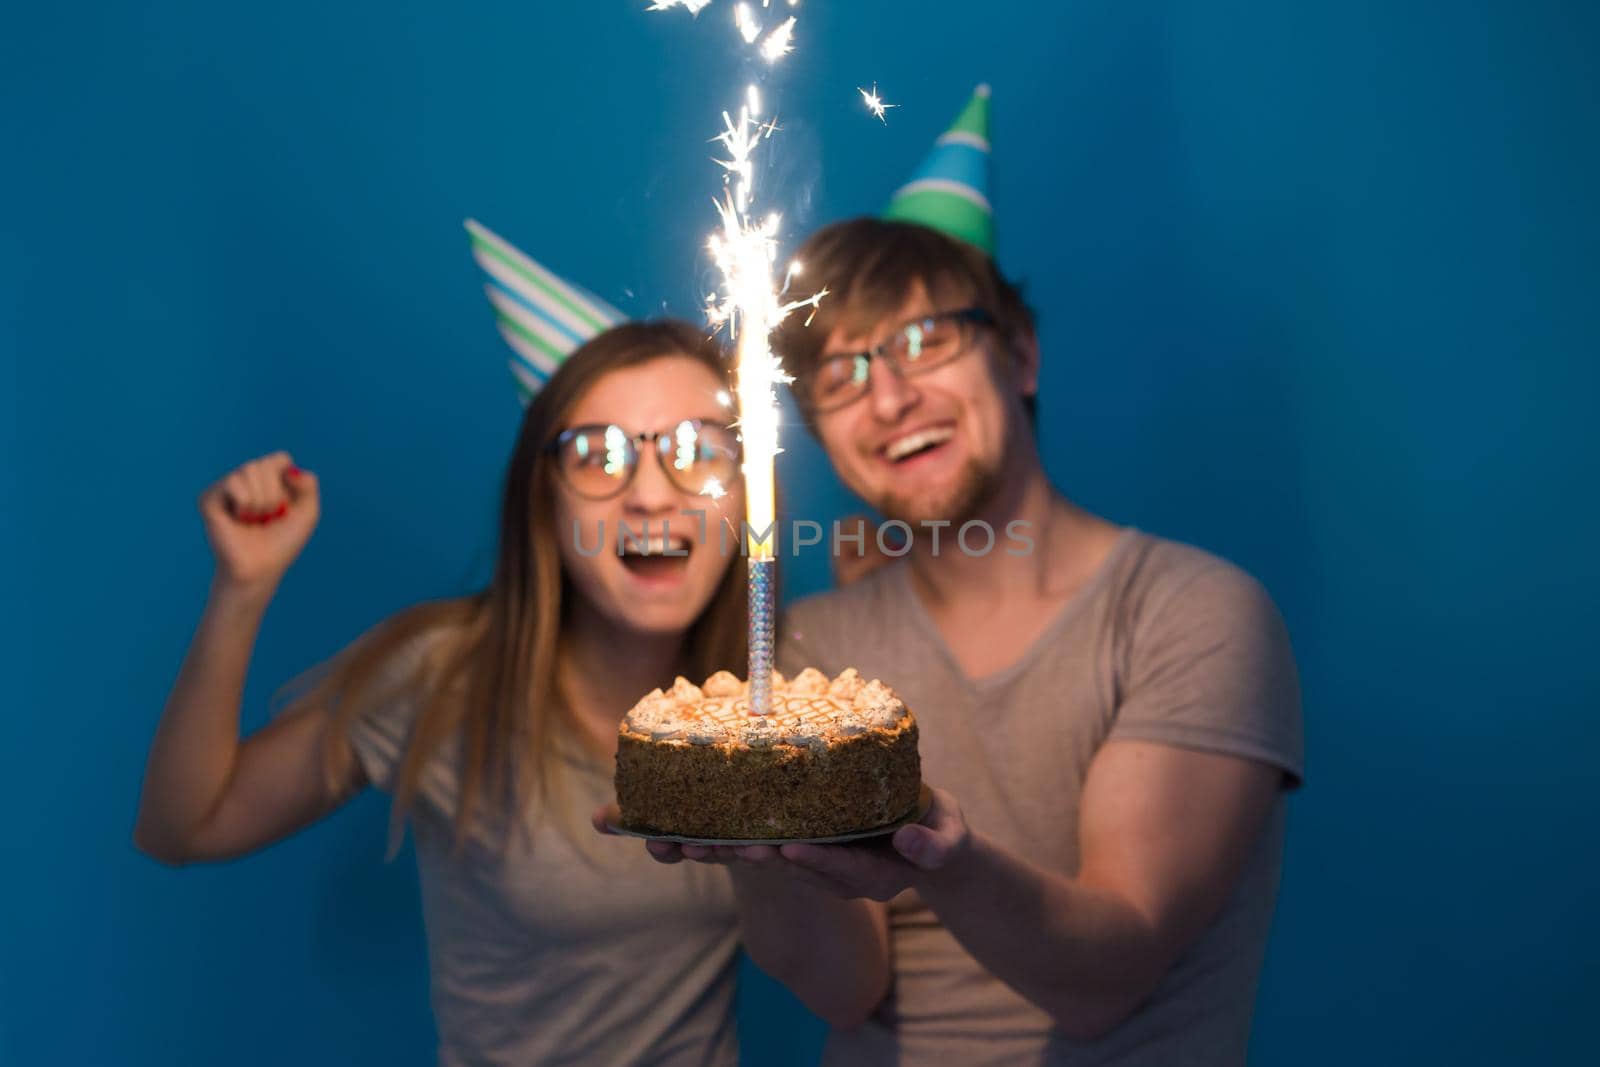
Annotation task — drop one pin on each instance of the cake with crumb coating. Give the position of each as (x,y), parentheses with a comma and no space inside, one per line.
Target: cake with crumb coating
(833,756)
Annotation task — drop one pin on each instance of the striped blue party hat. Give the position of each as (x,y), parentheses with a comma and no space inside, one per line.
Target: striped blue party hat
(541,317)
(950,191)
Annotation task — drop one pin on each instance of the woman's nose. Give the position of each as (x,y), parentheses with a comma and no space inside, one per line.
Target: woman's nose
(651,492)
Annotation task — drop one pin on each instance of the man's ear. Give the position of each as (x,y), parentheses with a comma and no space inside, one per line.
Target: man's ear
(1025,362)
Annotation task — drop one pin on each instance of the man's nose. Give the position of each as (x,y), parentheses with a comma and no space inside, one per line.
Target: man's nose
(890,394)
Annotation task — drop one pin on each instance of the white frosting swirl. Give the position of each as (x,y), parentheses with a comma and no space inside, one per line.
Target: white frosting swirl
(807,712)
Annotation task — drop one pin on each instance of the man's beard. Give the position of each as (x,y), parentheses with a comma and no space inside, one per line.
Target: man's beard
(975,488)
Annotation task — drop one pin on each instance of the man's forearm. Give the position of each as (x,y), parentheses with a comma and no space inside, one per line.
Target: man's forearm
(832,954)
(1084,955)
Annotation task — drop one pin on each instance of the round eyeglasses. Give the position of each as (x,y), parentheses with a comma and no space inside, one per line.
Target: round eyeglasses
(916,347)
(598,461)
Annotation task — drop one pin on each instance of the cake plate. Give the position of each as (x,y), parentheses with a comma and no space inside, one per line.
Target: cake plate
(924,800)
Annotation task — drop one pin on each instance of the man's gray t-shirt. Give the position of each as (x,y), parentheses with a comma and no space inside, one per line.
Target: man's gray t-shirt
(560,948)
(1164,644)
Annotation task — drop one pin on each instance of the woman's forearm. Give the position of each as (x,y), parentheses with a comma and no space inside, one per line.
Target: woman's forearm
(197,740)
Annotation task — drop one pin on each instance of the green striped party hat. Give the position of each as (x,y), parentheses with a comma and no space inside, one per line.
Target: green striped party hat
(950,191)
(541,317)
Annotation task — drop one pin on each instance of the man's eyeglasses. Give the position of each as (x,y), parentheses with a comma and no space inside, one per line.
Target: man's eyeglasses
(599,461)
(918,346)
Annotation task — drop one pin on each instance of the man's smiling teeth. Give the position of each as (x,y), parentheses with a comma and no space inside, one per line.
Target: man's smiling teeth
(902,447)
(655,546)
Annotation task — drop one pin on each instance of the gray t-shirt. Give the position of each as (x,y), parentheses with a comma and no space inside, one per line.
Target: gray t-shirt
(1165,644)
(545,952)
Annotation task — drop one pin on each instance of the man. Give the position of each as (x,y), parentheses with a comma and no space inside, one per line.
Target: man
(1109,720)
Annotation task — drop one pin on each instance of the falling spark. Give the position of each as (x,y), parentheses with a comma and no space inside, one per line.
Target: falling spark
(778,43)
(713,489)
(694,6)
(745,20)
(875,103)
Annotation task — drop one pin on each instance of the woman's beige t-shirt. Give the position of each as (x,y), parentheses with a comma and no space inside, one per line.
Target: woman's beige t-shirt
(545,952)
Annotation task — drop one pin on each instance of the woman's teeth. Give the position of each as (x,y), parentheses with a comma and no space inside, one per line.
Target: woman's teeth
(656,546)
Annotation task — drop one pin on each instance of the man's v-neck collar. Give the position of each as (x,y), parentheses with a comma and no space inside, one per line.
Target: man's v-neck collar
(1047,634)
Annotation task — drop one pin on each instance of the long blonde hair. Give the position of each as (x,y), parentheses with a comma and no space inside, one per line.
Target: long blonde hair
(491,677)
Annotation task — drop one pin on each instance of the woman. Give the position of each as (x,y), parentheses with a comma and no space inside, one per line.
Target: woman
(492,718)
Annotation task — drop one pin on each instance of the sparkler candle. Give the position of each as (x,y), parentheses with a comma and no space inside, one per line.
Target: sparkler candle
(841,758)
(757,373)
(745,251)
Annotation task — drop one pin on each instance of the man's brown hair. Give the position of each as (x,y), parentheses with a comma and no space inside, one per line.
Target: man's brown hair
(869,267)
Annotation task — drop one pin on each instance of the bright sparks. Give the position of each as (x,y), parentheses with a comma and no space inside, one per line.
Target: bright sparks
(694,6)
(745,250)
(875,103)
(779,42)
(744,20)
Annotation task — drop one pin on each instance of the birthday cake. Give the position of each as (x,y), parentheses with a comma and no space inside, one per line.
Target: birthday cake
(833,756)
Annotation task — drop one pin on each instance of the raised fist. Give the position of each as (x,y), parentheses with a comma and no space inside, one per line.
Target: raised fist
(258,518)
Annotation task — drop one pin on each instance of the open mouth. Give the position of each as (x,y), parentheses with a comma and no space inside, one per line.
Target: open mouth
(917,443)
(656,557)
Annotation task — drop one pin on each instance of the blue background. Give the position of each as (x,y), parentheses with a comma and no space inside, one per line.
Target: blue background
(1317,285)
